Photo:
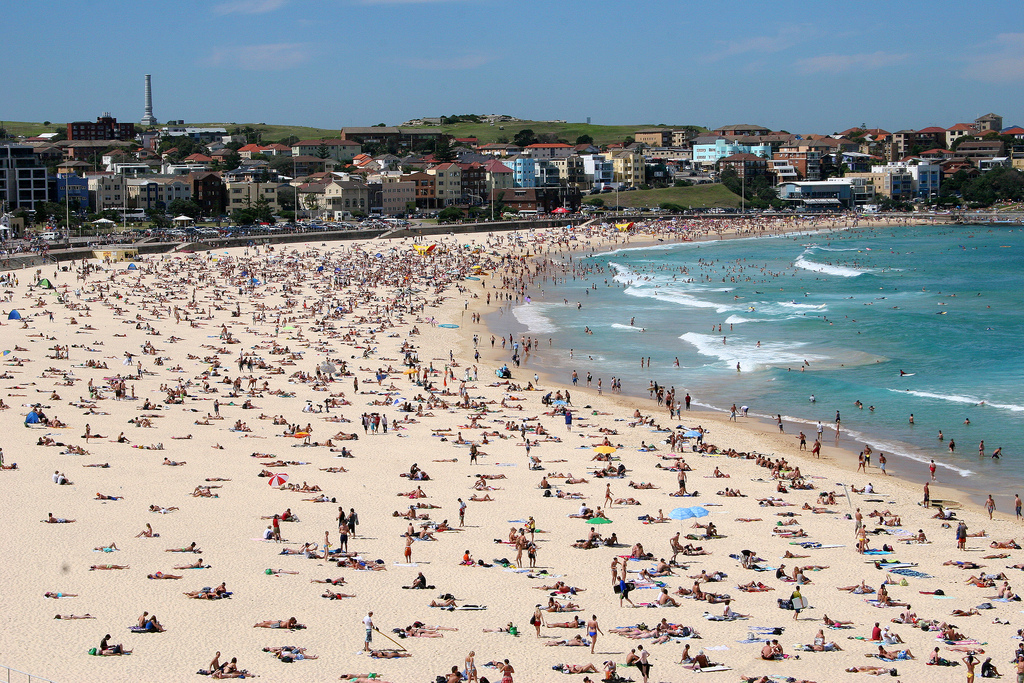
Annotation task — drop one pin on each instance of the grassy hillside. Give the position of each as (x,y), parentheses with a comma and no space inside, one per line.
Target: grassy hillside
(29,128)
(705,196)
(566,131)
(484,132)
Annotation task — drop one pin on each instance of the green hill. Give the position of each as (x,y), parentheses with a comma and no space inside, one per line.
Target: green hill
(695,196)
(484,132)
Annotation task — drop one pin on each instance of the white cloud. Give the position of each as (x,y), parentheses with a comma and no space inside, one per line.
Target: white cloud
(247,6)
(470,61)
(998,61)
(834,64)
(783,39)
(271,57)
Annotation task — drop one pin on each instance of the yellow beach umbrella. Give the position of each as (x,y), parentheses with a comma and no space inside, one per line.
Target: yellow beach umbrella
(606,450)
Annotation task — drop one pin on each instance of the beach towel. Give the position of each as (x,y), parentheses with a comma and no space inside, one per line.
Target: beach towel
(913,573)
(712,669)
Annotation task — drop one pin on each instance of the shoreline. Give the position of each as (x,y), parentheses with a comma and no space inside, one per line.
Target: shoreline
(842,455)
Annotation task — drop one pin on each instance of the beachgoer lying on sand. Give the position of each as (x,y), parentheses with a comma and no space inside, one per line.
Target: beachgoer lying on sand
(108,566)
(50,519)
(873,670)
(894,655)
(575,641)
(161,575)
(49,594)
(74,616)
(289,623)
(575,668)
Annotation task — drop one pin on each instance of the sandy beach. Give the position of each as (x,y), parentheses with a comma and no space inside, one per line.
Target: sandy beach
(161,353)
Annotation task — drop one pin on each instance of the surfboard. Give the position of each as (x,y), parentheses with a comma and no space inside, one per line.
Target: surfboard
(908,374)
(800,603)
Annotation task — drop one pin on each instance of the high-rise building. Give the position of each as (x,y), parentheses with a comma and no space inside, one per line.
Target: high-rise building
(147,117)
(23,182)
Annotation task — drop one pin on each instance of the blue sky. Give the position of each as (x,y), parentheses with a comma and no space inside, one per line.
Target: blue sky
(801,66)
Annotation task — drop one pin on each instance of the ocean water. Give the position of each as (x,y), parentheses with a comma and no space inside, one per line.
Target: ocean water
(835,315)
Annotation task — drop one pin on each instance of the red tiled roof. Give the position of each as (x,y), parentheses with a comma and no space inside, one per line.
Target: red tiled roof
(932,129)
(963,126)
(248,148)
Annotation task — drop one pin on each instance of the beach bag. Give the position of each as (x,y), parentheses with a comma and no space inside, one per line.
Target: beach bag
(785,604)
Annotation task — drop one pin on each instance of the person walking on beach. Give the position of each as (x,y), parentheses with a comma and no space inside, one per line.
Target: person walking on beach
(686,400)
(592,630)
(990,506)
(881,463)
(642,665)
(860,463)
(462,512)
(506,672)
(370,628)
(1016,504)
(927,495)
(931,468)
(803,441)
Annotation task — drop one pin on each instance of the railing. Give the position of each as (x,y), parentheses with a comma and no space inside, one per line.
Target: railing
(31,677)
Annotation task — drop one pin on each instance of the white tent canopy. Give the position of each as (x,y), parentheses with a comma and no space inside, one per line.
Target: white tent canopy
(182,219)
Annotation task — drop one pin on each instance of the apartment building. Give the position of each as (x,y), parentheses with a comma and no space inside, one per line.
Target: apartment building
(106,127)
(23,181)
(243,194)
(447,184)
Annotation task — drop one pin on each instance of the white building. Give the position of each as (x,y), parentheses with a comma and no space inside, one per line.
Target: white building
(599,171)
(926,176)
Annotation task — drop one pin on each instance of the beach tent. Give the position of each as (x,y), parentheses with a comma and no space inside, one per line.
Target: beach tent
(45,284)
(132,266)
(14,315)
(32,418)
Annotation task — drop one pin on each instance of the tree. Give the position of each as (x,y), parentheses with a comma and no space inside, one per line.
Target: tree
(628,141)
(322,152)
(584,140)
(595,201)
(157,219)
(443,150)
(449,215)
(524,138)
(682,183)
(286,198)
(185,207)
(672,207)
(232,160)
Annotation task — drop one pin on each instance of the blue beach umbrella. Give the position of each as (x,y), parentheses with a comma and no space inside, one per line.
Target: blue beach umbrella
(691,434)
(681,514)
(697,511)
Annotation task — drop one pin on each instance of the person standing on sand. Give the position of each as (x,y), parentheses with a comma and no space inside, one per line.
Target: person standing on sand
(506,672)
(1016,504)
(961,536)
(470,669)
(931,468)
(608,495)
(592,630)
(927,495)
(990,506)
(370,628)
(462,512)
(642,665)
(353,520)
(408,547)
(970,662)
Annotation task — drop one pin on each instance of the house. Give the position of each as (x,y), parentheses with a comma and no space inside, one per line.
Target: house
(630,169)
(803,157)
(305,165)
(336,148)
(497,176)
(74,187)
(933,136)
(249,151)
(817,196)
(207,192)
(107,191)
(243,194)
(926,177)
(599,172)
(951,167)
(87,149)
(474,182)
(901,142)
(707,150)
(1016,131)
(746,166)
(344,198)
(423,184)
(390,135)
(539,199)
(989,122)
(198,158)
(741,129)
(954,133)
(571,172)
(976,150)
(524,170)
(890,181)
(397,195)
(447,184)
(105,128)
(499,149)
(586,148)
(654,137)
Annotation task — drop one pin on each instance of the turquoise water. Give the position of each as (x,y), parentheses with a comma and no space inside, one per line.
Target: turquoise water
(852,308)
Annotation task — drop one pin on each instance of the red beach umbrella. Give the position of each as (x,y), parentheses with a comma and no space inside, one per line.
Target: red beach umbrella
(278,479)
